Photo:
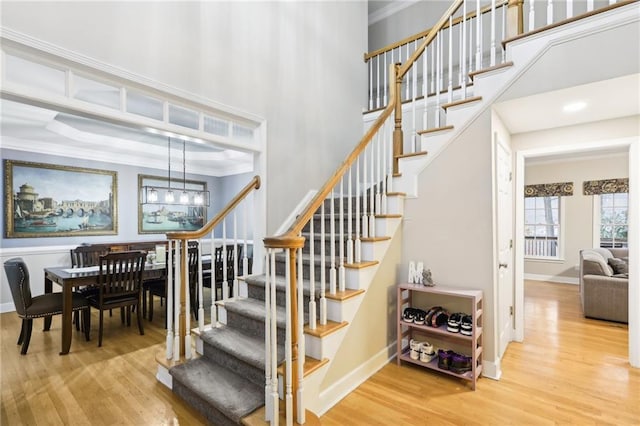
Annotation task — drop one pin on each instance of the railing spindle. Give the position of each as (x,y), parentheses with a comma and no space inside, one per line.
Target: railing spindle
(350,248)
(492,60)
(323,268)
(170,318)
(342,271)
(549,12)
(332,226)
(358,242)
(532,14)
(312,279)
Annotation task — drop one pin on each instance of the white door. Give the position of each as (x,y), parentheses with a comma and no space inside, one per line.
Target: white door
(504,221)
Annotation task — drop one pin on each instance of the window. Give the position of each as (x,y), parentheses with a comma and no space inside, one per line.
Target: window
(542,226)
(613,220)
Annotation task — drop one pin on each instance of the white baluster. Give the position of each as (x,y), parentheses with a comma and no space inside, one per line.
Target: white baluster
(377,146)
(532,15)
(385,87)
(378,81)
(383,170)
(323,268)
(342,276)
(438,82)
(450,85)
(370,83)
(300,339)
(589,5)
(414,95)
(245,258)
(478,36)
(235,254)
(288,397)
(332,227)
(350,254)
(492,61)
(312,278)
(169,353)
(225,281)
(274,341)
(214,296)
(267,337)
(176,300)
(569,8)
(365,217)
(200,290)
(463,50)
(187,304)
(408,95)
(549,12)
(358,243)
(433,66)
(372,203)
(504,29)
(425,87)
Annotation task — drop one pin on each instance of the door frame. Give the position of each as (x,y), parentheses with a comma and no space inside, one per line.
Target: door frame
(633,146)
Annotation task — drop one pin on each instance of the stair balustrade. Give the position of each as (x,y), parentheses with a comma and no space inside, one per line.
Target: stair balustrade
(179,298)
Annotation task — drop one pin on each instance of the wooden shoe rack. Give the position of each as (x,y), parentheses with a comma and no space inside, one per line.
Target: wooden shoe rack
(453,300)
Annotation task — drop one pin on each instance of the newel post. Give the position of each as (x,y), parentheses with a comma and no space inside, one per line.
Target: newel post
(397,131)
(515,18)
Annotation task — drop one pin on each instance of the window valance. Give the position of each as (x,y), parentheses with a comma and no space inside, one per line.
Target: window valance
(549,189)
(606,186)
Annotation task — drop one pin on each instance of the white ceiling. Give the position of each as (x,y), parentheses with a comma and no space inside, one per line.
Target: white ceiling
(28,128)
(607,99)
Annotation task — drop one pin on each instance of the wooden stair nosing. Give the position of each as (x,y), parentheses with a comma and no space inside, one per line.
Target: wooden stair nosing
(388,216)
(361,265)
(411,154)
(344,295)
(434,130)
(324,330)
(374,239)
(396,194)
(310,365)
(507,64)
(461,102)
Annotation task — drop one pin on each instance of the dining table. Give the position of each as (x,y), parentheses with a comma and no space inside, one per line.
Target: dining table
(69,278)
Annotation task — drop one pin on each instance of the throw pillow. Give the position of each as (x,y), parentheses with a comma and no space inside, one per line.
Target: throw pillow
(619,266)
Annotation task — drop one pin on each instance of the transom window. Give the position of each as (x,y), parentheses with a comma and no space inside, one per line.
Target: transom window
(614,215)
(542,226)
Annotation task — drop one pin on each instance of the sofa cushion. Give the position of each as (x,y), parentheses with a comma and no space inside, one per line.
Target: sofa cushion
(595,264)
(619,266)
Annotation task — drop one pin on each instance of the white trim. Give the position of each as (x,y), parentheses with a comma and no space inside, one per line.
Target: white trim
(349,382)
(491,370)
(389,10)
(7,307)
(634,254)
(552,278)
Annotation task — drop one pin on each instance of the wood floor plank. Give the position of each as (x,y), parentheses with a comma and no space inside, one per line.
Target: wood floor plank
(568,370)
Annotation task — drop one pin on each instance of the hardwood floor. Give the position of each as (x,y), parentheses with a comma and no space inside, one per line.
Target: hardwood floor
(568,370)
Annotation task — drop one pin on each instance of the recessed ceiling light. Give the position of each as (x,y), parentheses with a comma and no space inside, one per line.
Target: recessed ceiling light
(574,106)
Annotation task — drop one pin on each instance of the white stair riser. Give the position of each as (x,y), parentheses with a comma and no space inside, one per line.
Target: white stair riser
(386,226)
(320,348)
(395,204)
(343,310)
(373,250)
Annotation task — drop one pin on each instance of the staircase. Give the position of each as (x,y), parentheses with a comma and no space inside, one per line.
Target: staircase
(348,229)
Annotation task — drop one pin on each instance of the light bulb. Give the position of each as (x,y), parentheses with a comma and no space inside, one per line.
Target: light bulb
(197,199)
(169,197)
(184,197)
(152,195)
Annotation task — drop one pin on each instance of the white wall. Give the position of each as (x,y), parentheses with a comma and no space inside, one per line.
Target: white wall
(297,64)
(577,228)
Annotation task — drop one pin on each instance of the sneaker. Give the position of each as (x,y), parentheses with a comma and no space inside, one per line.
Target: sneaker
(439,318)
(444,358)
(453,324)
(408,315)
(466,325)
(460,364)
(434,310)
(427,353)
(420,315)
(414,349)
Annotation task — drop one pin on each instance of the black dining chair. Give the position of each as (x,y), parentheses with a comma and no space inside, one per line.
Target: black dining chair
(45,306)
(84,256)
(120,286)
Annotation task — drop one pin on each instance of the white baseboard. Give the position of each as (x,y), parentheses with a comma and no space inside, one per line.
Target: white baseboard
(7,307)
(332,395)
(164,377)
(491,370)
(552,278)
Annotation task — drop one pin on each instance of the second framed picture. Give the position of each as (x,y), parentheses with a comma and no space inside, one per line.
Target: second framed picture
(163,208)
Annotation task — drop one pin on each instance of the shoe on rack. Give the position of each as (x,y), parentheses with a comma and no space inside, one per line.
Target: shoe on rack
(466,325)
(409,314)
(430,313)
(419,316)
(414,349)
(460,364)
(427,352)
(453,324)
(439,318)
(444,358)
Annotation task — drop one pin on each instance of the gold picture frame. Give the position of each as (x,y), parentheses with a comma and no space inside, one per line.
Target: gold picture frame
(50,200)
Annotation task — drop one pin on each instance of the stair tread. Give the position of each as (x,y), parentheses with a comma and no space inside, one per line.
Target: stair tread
(228,392)
(254,309)
(259,280)
(250,349)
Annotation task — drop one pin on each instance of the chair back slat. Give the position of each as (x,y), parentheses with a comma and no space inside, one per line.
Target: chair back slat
(121,274)
(83,256)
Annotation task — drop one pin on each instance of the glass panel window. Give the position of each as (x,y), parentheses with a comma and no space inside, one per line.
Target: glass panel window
(542,226)
(614,214)
(96,92)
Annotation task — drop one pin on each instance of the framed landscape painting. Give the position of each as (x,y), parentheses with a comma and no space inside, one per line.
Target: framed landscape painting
(49,200)
(157,215)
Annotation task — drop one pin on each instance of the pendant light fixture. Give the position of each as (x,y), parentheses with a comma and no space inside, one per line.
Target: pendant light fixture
(168,197)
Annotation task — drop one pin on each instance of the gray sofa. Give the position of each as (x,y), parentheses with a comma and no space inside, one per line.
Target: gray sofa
(604,291)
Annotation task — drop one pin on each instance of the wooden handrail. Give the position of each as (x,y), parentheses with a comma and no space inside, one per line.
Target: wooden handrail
(208,227)
(422,34)
(292,234)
